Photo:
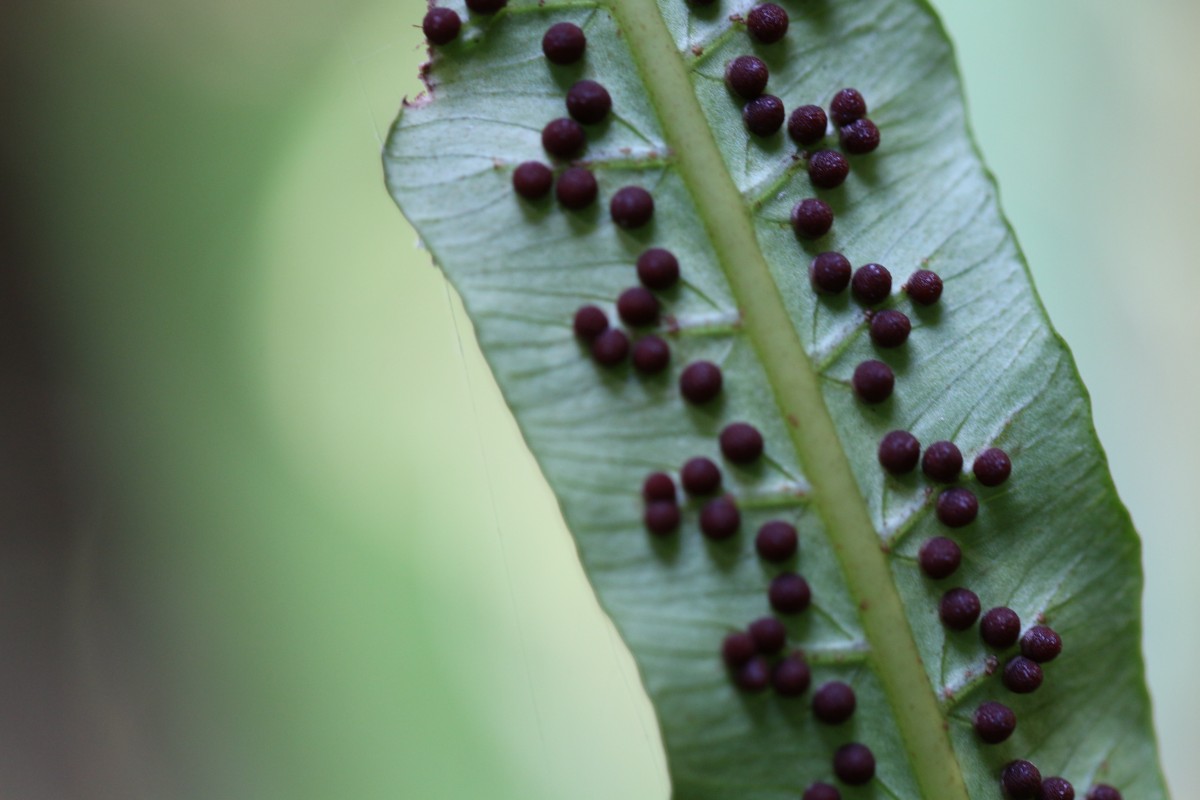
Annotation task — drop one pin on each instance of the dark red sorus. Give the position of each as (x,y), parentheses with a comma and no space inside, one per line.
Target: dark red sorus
(658,269)
(789,593)
(899,452)
(564,43)
(776,541)
(651,355)
(658,486)
(847,106)
(590,322)
(924,287)
(720,519)
(807,125)
(700,382)
(992,467)
(939,557)
(741,443)
(854,763)
(1021,780)
(959,608)
(873,381)
(859,137)
(812,218)
(834,703)
(942,462)
(588,102)
(767,22)
(441,25)
(610,348)
(576,188)
(532,180)
(747,76)
(700,476)
(631,207)
(661,517)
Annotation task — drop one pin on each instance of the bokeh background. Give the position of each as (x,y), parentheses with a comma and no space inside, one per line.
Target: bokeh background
(266,529)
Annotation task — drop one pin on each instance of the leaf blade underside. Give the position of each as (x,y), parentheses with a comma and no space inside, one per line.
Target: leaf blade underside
(982,368)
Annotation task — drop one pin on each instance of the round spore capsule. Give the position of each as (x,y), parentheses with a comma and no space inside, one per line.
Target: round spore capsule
(1057,789)
(564,43)
(590,322)
(563,138)
(700,476)
(1041,644)
(959,608)
(992,467)
(812,218)
(847,106)
(658,486)
(576,188)
(806,125)
(859,137)
(789,593)
(873,381)
(776,541)
(834,703)
(720,519)
(939,557)
(942,462)
(700,382)
(754,675)
(924,287)
(486,6)
(658,269)
(830,272)
(638,306)
(767,22)
(1000,627)
(747,76)
(769,634)
(763,115)
(588,102)
(651,355)
(821,791)
(957,507)
(631,207)
(791,676)
(1102,791)
(441,25)
(899,452)
(532,180)
(871,284)
(890,328)
(854,763)
(1022,675)
(994,722)
(827,169)
(1021,780)
(741,443)
(610,348)
(661,517)
(738,648)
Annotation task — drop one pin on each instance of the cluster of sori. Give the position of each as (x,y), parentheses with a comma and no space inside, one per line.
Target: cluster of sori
(959,609)
(758,657)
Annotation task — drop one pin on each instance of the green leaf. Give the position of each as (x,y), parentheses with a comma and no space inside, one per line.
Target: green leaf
(982,368)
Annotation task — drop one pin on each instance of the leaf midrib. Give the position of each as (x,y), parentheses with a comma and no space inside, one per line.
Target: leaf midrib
(795,384)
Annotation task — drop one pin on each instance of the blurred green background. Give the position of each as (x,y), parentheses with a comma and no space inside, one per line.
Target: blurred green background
(266,530)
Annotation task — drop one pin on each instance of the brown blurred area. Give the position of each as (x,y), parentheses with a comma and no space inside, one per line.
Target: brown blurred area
(79,689)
